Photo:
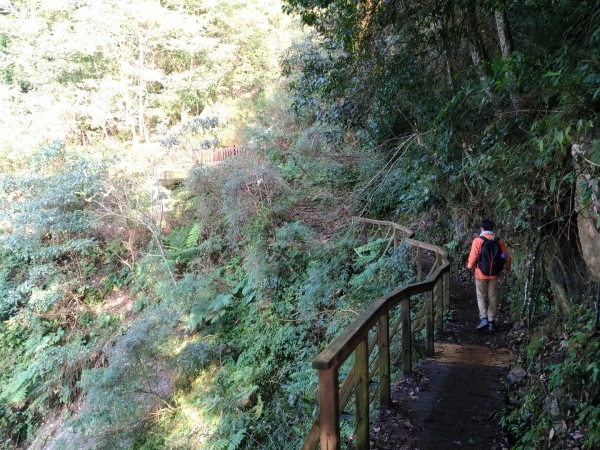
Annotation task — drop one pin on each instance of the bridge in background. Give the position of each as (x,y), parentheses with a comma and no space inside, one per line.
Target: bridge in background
(177,165)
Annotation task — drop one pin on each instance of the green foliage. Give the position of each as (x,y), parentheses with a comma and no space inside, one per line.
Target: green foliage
(48,205)
(258,298)
(209,312)
(563,385)
(182,244)
(431,108)
(46,220)
(49,259)
(192,135)
(231,250)
(137,374)
(195,356)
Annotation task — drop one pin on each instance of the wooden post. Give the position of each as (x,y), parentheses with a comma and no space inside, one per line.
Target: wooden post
(439,303)
(446,292)
(329,405)
(438,259)
(361,370)
(429,323)
(395,240)
(383,342)
(405,312)
(419,264)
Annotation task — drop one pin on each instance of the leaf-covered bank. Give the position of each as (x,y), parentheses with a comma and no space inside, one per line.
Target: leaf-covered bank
(191,326)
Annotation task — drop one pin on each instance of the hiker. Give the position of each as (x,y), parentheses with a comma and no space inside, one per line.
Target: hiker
(488,256)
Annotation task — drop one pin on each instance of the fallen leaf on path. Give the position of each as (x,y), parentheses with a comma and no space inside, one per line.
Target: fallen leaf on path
(551,434)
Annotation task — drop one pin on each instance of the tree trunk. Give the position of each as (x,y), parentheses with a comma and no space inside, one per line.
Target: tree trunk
(566,271)
(588,215)
(478,52)
(566,263)
(506,48)
(129,118)
(183,116)
(504,34)
(141,109)
(480,66)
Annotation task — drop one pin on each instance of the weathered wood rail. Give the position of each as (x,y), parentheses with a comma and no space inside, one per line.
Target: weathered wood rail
(176,166)
(355,340)
(204,157)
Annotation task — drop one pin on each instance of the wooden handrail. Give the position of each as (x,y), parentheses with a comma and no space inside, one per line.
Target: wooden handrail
(339,350)
(355,339)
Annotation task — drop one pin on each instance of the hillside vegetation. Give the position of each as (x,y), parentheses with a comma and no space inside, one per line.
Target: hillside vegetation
(139,316)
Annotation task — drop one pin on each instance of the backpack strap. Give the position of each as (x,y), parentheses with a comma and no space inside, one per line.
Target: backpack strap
(497,239)
(479,254)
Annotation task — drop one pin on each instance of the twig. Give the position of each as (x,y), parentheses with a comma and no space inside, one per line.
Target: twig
(319,313)
(406,143)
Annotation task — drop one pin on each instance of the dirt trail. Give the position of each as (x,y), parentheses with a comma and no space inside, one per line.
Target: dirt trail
(452,400)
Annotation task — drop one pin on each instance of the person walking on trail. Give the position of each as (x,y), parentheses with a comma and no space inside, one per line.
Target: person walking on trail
(488,256)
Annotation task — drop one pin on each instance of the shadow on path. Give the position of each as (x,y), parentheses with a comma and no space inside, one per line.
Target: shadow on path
(454,399)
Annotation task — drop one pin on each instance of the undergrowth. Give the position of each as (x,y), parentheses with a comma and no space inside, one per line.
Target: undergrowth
(557,404)
(253,269)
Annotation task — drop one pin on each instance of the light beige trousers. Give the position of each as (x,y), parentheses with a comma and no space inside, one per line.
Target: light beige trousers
(487,298)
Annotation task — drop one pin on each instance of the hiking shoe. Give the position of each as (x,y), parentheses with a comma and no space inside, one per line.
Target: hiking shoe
(492,325)
(482,324)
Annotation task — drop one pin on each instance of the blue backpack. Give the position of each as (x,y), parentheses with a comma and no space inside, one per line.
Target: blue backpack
(491,259)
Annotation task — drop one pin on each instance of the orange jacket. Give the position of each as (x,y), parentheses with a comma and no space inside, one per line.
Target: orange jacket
(476,250)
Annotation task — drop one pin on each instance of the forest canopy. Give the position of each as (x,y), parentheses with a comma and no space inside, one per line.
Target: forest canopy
(117,70)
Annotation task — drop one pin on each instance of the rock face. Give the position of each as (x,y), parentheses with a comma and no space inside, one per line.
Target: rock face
(587,221)
(589,236)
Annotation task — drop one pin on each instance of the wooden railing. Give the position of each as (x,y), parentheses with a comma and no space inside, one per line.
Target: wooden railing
(204,157)
(355,340)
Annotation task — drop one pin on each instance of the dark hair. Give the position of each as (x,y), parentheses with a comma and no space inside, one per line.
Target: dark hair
(487,225)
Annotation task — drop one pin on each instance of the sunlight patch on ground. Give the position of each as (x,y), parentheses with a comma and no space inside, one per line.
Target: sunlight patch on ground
(473,355)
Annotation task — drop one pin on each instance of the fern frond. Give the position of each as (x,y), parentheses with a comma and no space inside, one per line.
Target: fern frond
(16,390)
(193,236)
(236,439)
(370,251)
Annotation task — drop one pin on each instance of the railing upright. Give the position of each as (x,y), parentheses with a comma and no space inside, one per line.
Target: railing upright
(329,409)
(361,371)
(430,312)
(383,342)
(406,347)
(439,303)
(419,264)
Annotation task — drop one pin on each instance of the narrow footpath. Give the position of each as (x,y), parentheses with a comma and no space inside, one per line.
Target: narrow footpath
(454,399)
